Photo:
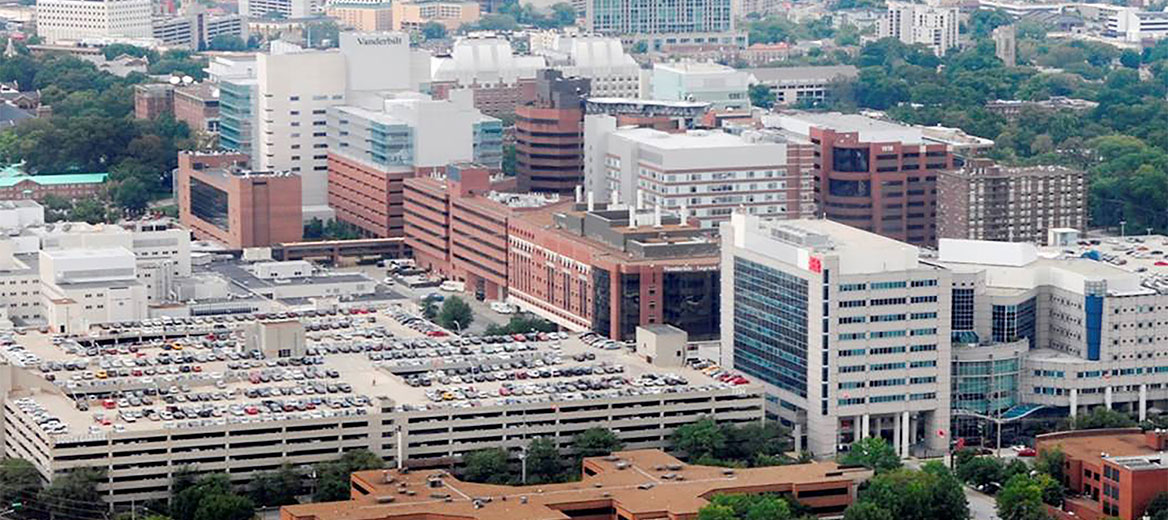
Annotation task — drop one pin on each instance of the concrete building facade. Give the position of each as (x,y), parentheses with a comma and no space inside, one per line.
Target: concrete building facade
(362,17)
(76,20)
(848,331)
(487,65)
(613,73)
(934,24)
(660,25)
(723,87)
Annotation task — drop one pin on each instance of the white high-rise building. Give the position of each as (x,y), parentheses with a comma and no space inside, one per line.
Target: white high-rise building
(847,330)
(934,24)
(295,88)
(75,20)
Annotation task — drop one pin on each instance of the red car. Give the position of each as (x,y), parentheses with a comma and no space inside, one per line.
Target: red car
(1027,452)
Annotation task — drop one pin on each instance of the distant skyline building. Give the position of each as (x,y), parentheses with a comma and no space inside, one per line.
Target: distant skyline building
(75,20)
(287,8)
(489,67)
(549,135)
(603,60)
(934,24)
(662,24)
(725,88)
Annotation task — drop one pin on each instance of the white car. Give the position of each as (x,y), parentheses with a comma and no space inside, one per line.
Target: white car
(502,308)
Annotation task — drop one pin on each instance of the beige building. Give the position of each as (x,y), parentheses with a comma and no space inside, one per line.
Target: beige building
(985,201)
(363,17)
(451,14)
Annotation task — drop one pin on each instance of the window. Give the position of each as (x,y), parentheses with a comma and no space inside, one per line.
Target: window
(848,287)
(924,299)
(924,283)
(887,285)
(923,364)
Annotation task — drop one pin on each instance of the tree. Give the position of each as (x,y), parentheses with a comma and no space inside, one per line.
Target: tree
(1021,499)
(867,511)
(872,452)
(455,314)
(322,34)
(225,506)
(1052,461)
(88,210)
(756,444)
(429,310)
(486,466)
(746,507)
(433,31)
(716,512)
(332,478)
(596,442)
(74,494)
(983,22)
(226,42)
(508,165)
(702,438)
(275,488)
(1102,417)
(563,14)
(640,47)
(1158,508)
(761,96)
(932,493)
(132,195)
(981,471)
(20,481)
(544,463)
(1130,59)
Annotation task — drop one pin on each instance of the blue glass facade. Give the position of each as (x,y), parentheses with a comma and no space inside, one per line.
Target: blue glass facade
(488,143)
(770,325)
(391,145)
(235,116)
(1013,322)
(1094,308)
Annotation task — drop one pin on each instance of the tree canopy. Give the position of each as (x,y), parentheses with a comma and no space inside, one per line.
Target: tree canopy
(932,493)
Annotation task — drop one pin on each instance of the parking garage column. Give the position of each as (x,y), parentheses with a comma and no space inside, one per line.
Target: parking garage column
(1143,403)
(864,426)
(1074,402)
(905,434)
(896,432)
(1107,396)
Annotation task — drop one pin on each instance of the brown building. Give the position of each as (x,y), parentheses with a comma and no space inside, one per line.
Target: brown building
(875,175)
(549,134)
(629,485)
(452,14)
(495,100)
(1111,473)
(457,226)
(594,270)
(984,201)
(198,106)
(153,99)
(363,17)
(367,197)
(219,199)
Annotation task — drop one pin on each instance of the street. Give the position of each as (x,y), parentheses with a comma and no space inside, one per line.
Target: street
(981,505)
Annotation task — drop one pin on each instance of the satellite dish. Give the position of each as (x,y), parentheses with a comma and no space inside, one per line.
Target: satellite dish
(174,80)
(187,80)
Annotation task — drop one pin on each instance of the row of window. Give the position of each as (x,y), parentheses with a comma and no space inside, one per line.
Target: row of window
(876,399)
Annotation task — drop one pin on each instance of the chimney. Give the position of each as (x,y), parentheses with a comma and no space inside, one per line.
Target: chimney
(578,190)
(656,215)
(632,217)
(591,202)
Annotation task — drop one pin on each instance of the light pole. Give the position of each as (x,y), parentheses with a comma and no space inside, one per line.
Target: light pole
(523,464)
(1122,228)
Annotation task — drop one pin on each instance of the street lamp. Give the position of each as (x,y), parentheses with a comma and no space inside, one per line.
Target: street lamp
(1122,228)
(523,463)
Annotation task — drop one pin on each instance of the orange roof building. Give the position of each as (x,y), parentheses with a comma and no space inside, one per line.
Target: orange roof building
(629,485)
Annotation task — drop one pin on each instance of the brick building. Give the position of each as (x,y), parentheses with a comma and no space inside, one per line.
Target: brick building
(198,106)
(875,175)
(549,134)
(500,79)
(610,270)
(153,99)
(219,199)
(985,201)
(70,186)
(611,488)
(457,226)
(1111,473)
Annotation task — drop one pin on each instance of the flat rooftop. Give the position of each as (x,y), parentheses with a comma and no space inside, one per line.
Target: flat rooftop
(639,482)
(781,75)
(165,374)
(692,139)
(1123,446)
(869,129)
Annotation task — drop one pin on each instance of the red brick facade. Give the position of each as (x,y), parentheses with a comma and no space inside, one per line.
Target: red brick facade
(367,197)
(262,209)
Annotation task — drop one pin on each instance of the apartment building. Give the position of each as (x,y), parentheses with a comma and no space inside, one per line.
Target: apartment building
(934,24)
(75,20)
(287,8)
(374,147)
(221,424)
(487,65)
(549,134)
(452,14)
(613,73)
(1130,24)
(823,487)
(985,201)
(363,17)
(220,199)
(152,100)
(1112,473)
(847,330)
(724,88)
(707,173)
(876,175)
(458,226)
(198,107)
(194,28)
(661,25)
(803,85)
